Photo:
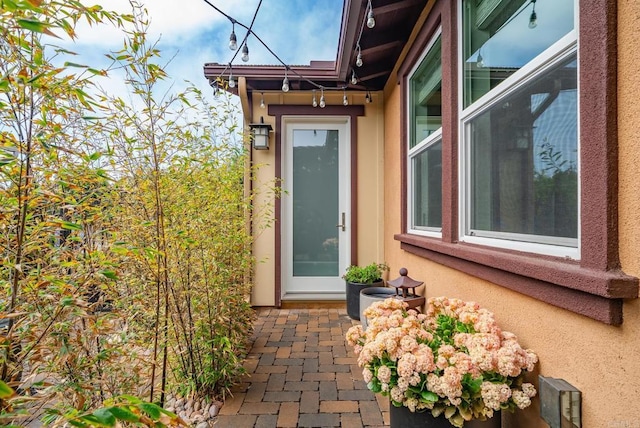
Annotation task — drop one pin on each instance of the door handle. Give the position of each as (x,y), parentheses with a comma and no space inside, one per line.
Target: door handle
(343,225)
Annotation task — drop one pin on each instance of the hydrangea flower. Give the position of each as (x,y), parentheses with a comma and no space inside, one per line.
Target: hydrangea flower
(453,359)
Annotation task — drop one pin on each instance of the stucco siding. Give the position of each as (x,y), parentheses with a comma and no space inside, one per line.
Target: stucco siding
(598,359)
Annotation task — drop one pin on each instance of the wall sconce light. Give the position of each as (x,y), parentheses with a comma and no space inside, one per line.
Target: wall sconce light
(560,403)
(260,134)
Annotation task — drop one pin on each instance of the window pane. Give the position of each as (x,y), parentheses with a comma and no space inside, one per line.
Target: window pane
(524,176)
(426,103)
(498,40)
(427,188)
(315,202)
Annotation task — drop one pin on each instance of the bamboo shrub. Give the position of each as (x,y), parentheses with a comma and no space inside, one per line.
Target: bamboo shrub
(52,224)
(123,232)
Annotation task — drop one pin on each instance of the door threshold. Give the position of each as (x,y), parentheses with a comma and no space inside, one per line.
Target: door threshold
(313,301)
(312,297)
(313,304)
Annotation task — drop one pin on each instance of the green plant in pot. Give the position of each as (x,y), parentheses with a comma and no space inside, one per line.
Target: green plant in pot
(358,278)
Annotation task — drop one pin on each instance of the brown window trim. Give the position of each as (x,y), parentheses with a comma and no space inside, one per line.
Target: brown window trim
(305,110)
(595,286)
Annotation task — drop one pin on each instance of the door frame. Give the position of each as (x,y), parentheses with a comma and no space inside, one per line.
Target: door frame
(351,111)
(316,287)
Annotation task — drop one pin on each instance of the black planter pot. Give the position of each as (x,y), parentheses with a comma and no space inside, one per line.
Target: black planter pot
(402,417)
(353,297)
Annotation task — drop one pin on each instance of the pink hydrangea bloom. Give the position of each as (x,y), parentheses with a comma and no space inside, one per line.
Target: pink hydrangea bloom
(402,349)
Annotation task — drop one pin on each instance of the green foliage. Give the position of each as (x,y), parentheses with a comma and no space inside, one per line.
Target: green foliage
(365,274)
(126,409)
(126,258)
(445,329)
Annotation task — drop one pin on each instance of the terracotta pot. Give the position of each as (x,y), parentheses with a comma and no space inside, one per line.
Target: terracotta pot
(402,417)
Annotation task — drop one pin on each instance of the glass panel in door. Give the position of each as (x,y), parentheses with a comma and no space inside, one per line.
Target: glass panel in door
(315,202)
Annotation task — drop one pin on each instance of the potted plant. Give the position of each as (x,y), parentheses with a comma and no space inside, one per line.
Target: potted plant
(452,365)
(357,278)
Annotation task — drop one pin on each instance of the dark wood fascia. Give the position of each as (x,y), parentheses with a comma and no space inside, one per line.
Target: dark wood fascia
(213,70)
(348,33)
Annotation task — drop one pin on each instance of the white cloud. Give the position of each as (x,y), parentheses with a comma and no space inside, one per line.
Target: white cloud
(298,31)
(166,17)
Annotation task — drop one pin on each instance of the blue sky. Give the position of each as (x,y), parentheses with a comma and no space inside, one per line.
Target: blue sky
(298,31)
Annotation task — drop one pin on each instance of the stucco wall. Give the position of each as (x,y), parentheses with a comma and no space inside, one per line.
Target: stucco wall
(370,198)
(600,360)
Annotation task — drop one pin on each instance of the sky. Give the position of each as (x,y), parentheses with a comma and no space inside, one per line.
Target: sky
(194,33)
(515,43)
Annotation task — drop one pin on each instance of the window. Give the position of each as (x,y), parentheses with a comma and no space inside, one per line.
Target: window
(425,142)
(519,120)
(517,98)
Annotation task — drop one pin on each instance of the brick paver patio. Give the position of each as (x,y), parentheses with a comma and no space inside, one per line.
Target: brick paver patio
(302,374)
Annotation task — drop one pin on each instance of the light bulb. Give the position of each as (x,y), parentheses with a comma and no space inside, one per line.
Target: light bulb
(533,20)
(315,101)
(232,82)
(233,41)
(262,100)
(345,101)
(322,103)
(479,61)
(367,98)
(371,22)
(359,60)
(354,79)
(285,84)
(245,53)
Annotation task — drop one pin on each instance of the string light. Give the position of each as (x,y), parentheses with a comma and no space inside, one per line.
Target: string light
(232,82)
(345,101)
(214,85)
(233,45)
(368,98)
(285,82)
(233,41)
(533,19)
(245,52)
(371,22)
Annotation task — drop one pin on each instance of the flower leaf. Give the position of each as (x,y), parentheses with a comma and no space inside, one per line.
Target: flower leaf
(449,412)
(429,396)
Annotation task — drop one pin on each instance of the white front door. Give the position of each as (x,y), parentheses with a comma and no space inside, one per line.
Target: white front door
(315,207)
